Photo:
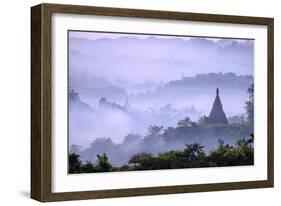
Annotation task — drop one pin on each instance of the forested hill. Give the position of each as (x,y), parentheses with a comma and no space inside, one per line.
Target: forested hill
(223,80)
(199,90)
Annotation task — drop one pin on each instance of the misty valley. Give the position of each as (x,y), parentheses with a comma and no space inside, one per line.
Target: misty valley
(150,102)
(122,137)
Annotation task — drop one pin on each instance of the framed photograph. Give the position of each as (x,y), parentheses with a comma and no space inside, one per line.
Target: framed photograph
(130,102)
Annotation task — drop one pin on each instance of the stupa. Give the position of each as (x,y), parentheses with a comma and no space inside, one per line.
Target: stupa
(217,115)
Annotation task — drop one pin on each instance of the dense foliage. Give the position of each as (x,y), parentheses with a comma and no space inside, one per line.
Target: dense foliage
(159,139)
(192,156)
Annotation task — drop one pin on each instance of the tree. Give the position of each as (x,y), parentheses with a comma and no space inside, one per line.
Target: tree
(168,134)
(153,141)
(192,151)
(237,119)
(185,122)
(154,130)
(201,120)
(249,105)
(242,153)
(88,167)
(103,164)
(139,157)
(99,146)
(74,163)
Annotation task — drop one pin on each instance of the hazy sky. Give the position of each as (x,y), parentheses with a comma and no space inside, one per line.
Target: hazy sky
(140,58)
(100,35)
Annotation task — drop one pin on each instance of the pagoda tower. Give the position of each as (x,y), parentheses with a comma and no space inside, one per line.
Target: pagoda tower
(217,115)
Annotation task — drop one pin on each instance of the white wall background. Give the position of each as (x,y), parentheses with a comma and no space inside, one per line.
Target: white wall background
(15,102)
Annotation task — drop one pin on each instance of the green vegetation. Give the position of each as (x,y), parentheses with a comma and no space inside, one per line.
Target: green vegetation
(76,166)
(193,156)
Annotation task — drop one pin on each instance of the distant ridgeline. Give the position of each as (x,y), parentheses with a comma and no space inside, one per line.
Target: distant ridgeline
(73,96)
(225,80)
(75,101)
(103,103)
(217,115)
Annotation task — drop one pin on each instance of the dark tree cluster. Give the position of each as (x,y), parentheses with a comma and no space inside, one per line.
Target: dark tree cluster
(76,166)
(192,156)
(159,139)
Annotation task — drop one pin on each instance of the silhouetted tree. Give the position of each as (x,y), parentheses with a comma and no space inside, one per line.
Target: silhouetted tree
(103,165)
(74,163)
(192,151)
(88,167)
(138,157)
(249,105)
(152,142)
(185,122)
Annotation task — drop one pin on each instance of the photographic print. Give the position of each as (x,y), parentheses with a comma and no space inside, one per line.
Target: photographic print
(152,102)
